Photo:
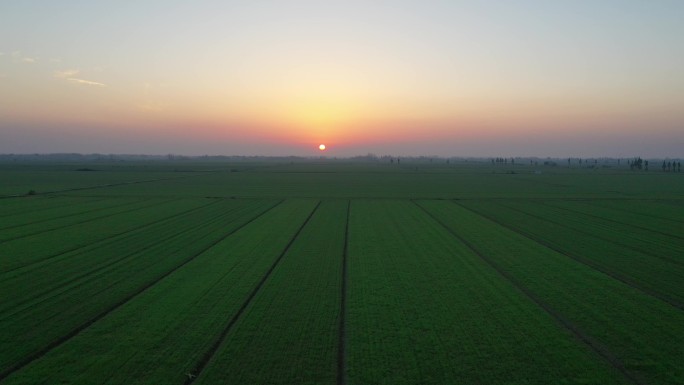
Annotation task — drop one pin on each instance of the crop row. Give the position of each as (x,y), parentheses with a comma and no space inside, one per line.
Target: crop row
(666,245)
(658,277)
(663,211)
(25,251)
(162,333)
(640,334)
(84,288)
(627,219)
(13,211)
(424,308)
(289,334)
(26,226)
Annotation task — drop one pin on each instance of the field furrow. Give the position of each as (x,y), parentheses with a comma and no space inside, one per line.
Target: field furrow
(633,223)
(423,308)
(641,332)
(35,249)
(659,278)
(163,333)
(47,280)
(41,228)
(12,210)
(673,213)
(289,333)
(57,215)
(613,229)
(91,296)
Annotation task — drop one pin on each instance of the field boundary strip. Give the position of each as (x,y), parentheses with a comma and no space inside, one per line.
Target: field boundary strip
(341,344)
(211,352)
(574,330)
(575,257)
(110,238)
(37,355)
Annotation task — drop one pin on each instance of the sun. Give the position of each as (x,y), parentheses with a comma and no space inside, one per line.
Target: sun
(321,147)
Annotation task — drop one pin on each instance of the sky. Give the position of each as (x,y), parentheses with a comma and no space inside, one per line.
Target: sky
(448,78)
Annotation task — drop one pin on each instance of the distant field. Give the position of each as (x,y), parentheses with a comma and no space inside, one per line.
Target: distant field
(334,272)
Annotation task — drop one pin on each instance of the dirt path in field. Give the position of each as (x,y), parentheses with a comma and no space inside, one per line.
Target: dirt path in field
(597,347)
(342,341)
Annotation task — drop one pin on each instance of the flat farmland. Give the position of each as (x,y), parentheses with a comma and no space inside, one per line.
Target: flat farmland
(338,272)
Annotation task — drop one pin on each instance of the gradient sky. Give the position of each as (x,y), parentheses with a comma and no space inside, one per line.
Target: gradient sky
(449,78)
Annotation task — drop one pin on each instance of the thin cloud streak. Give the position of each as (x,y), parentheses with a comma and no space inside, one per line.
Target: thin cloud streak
(86,82)
(69,75)
(66,74)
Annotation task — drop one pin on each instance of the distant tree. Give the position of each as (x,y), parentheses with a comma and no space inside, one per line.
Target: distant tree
(512,161)
(664,165)
(669,166)
(646,165)
(679,166)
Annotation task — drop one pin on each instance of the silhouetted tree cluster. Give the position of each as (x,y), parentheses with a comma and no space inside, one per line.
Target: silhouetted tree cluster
(502,160)
(671,166)
(636,164)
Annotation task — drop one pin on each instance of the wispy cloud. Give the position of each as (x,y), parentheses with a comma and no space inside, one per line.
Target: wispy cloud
(69,75)
(86,82)
(18,57)
(65,74)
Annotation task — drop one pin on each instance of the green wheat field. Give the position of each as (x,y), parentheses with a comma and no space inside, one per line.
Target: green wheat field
(339,272)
